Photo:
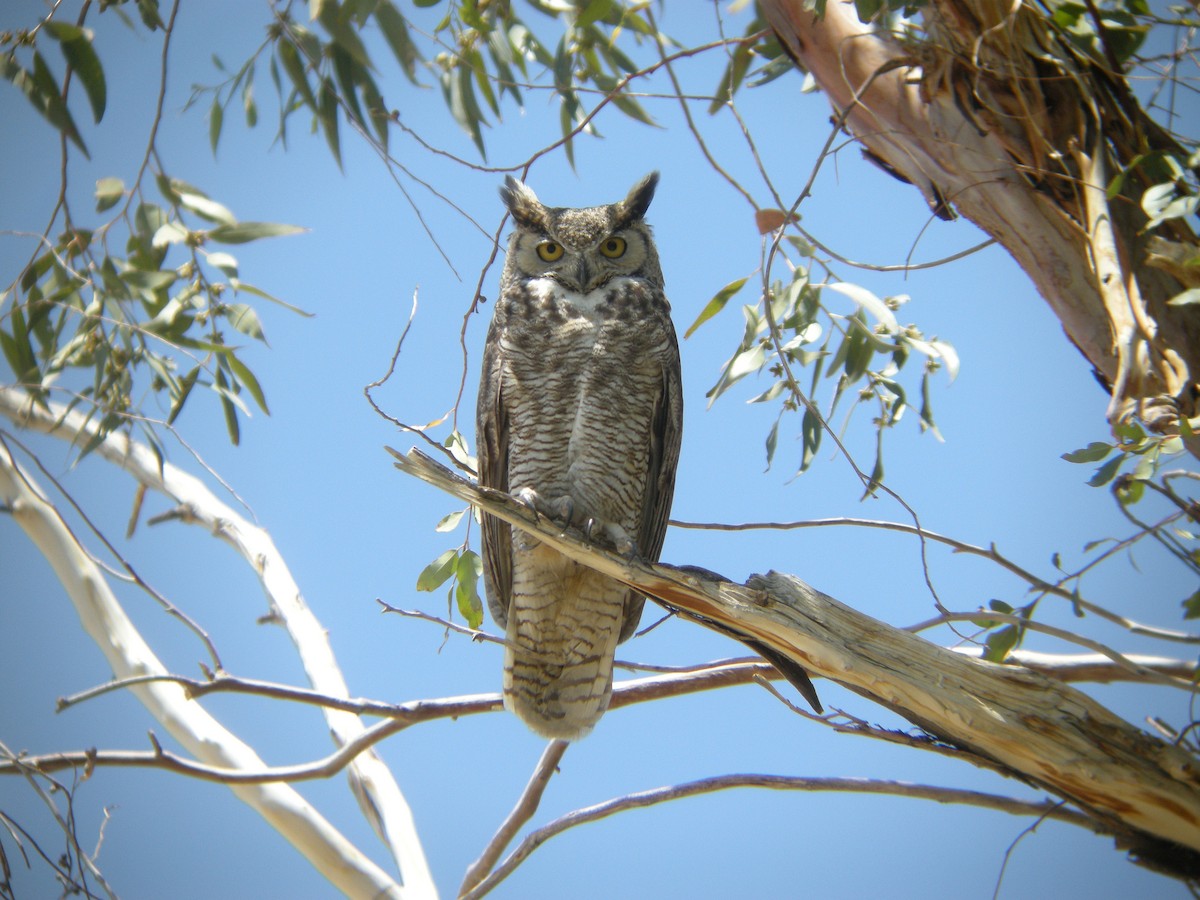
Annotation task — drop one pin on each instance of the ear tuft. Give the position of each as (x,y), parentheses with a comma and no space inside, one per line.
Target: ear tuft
(523,203)
(635,204)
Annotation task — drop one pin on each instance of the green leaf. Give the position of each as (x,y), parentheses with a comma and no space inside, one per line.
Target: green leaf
(877,471)
(810,433)
(1130,490)
(772,441)
(715,305)
(109,192)
(228,407)
(622,101)
(186,383)
(437,572)
(150,281)
(244,232)
(395,32)
(467,573)
(343,33)
(1191,606)
(347,72)
(594,11)
(223,261)
(18,350)
(1000,643)
(450,522)
(747,361)
(245,320)
(216,118)
(868,301)
(258,292)
(247,380)
(327,115)
(42,90)
(377,110)
(207,209)
(248,104)
(294,65)
(1106,472)
(76,46)
(1093,452)
(149,13)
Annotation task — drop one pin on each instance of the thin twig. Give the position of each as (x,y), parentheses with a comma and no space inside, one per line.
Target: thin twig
(990,553)
(655,796)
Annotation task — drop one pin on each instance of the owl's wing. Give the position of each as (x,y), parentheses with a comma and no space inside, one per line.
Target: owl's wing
(491,436)
(666,432)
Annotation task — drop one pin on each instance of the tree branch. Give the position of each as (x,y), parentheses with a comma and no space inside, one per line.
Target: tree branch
(378,793)
(535,839)
(1039,729)
(526,806)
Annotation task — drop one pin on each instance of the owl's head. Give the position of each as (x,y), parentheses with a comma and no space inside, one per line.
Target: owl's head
(581,248)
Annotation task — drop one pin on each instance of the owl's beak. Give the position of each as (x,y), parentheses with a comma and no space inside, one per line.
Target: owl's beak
(586,277)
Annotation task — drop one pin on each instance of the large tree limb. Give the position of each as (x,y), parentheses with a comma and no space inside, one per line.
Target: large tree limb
(996,115)
(106,623)
(1037,728)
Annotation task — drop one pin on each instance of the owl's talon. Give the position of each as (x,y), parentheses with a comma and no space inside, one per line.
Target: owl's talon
(563,510)
(610,534)
(530,498)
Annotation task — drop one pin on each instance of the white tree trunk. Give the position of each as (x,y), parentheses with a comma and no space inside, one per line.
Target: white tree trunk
(374,786)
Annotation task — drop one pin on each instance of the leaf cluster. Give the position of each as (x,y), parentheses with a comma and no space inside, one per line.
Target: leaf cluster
(804,326)
(137,303)
(475,51)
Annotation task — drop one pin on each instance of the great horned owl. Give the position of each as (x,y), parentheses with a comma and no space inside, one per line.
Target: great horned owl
(580,414)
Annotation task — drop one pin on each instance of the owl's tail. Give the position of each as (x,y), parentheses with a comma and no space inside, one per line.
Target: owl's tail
(562,636)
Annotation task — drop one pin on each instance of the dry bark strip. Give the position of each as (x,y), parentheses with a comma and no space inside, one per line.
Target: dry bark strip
(1136,786)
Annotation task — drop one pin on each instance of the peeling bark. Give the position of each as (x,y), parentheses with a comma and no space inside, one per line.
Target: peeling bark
(997,116)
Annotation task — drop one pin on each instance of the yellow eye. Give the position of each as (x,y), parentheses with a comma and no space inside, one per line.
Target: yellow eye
(613,248)
(549,251)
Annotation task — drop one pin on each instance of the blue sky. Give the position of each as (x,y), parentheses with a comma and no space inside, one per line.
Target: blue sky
(353,529)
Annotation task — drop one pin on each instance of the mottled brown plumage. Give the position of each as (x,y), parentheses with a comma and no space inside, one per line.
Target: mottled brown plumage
(580,413)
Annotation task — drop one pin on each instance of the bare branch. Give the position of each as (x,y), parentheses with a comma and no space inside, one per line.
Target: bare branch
(526,806)
(1045,808)
(990,553)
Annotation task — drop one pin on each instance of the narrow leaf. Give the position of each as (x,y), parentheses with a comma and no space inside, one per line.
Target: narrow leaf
(437,572)
(715,305)
(109,192)
(1093,452)
(467,573)
(868,301)
(450,522)
(327,114)
(77,49)
(245,320)
(216,118)
(244,232)
(247,380)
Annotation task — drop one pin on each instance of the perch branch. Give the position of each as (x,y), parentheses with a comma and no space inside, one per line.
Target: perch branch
(1038,728)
